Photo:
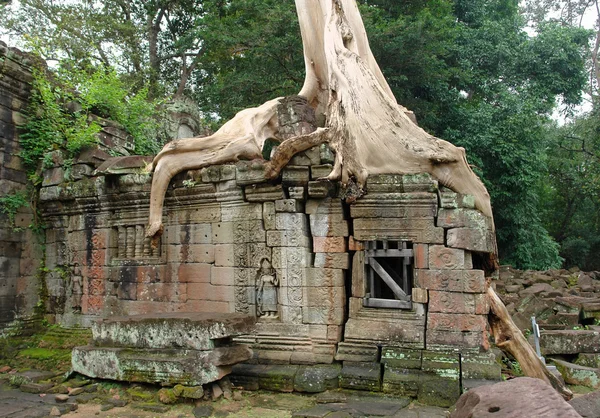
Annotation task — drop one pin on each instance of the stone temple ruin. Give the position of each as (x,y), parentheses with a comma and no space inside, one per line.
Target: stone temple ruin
(384,294)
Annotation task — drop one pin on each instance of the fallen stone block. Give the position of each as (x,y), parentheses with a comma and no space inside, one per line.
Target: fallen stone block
(587,405)
(166,366)
(193,331)
(575,374)
(521,397)
(569,342)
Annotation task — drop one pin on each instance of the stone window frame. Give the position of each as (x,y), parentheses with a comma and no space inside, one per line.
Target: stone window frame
(398,283)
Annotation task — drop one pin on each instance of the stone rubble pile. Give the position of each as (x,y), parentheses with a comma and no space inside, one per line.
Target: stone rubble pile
(566,304)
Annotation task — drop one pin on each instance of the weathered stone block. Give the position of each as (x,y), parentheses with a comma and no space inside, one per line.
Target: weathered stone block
(329,245)
(446,340)
(579,375)
(456,322)
(332,260)
(407,330)
(222,276)
(287,238)
(468,281)
(288,205)
(224,255)
(442,258)
(588,360)
(569,342)
(269,215)
(202,214)
(480,366)
(420,295)
(359,283)
(401,382)
(189,234)
(463,218)
(421,254)
(458,303)
(295,175)
(324,296)
(328,225)
(322,189)
(207,291)
(323,277)
(264,192)
(401,358)
(440,382)
(238,232)
(317,378)
(361,376)
(193,331)
(331,315)
(297,192)
(471,239)
(241,212)
(291,221)
(284,257)
(320,171)
(194,273)
(161,292)
(188,367)
(357,352)
(250,173)
(192,253)
(423,231)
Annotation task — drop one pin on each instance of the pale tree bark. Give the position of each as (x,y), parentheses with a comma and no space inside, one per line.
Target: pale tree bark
(369,132)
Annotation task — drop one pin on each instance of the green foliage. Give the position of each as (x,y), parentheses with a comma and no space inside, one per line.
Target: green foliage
(64,104)
(11,203)
(253,53)
(572,192)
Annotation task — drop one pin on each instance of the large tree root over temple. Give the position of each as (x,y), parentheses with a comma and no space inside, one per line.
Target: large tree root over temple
(365,126)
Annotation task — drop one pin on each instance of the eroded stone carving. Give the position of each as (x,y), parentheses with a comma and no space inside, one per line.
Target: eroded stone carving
(267,286)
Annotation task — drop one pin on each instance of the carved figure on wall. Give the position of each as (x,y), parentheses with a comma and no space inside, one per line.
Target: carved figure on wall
(267,285)
(76,288)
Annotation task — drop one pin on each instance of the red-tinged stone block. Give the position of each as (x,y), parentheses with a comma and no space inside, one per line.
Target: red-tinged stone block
(451,302)
(354,245)
(329,245)
(421,252)
(194,273)
(95,287)
(92,305)
(468,281)
(206,291)
(443,258)
(454,322)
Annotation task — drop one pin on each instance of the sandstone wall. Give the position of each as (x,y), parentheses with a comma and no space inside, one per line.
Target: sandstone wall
(20,251)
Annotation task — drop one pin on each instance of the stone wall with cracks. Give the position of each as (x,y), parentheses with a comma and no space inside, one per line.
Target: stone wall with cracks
(20,250)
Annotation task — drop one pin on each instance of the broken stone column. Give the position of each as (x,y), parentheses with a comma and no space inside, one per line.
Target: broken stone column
(179,348)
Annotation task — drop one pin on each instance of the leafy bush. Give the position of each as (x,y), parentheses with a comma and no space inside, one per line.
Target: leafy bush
(63,102)
(11,203)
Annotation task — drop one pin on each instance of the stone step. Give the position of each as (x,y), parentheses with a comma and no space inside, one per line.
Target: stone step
(166,366)
(186,331)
